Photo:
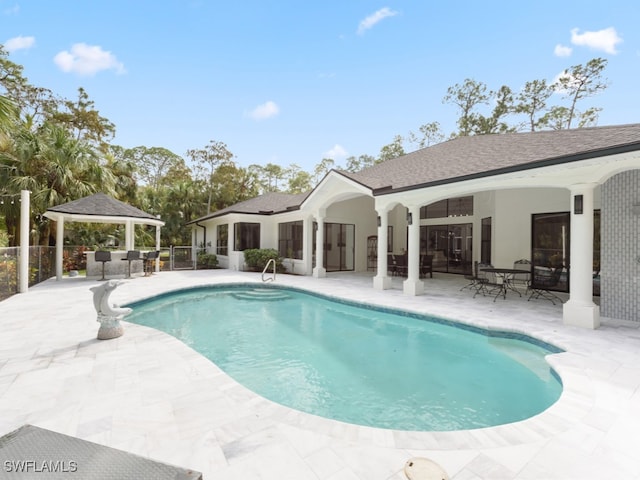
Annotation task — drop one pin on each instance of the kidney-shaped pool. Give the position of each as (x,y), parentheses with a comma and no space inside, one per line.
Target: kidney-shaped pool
(358,363)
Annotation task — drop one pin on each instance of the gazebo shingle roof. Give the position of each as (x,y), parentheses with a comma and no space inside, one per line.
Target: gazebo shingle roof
(100,205)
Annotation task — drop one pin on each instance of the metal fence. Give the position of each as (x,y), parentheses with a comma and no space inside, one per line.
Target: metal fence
(41,266)
(8,272)
(42,263)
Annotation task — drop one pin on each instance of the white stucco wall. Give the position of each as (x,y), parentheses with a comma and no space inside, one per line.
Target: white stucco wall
(512,220)
(360,212)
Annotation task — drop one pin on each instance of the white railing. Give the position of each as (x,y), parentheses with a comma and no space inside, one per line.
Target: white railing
(269,279)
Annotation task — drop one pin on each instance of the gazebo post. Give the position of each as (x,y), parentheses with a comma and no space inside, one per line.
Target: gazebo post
(59,246)
(23,259)
(128,235)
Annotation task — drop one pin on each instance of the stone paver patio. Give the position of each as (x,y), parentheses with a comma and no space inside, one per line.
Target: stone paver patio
(150,395)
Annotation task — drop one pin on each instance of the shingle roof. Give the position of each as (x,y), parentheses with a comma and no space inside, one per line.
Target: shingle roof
(266,204)
(467,157)
(100,205)
(485,155)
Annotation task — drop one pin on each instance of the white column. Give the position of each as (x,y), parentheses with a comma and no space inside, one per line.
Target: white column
(413,285)
(382,281)
(580,310)
(319,271)
(307,245)
(23,260)
(59,246)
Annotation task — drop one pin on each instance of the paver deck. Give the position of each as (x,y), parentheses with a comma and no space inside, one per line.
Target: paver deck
(148,394)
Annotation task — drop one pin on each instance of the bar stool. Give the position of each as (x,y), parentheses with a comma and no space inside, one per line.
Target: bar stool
(132,256)
(103,256)
(149,258)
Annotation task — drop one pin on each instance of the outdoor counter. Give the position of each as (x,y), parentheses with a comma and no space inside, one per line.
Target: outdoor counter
(117,267)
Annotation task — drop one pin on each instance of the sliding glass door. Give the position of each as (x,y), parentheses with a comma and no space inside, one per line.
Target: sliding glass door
(450,246)
(550,241)
(339,246)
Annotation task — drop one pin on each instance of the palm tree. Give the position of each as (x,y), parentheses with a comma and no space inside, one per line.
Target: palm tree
(7,113)
(56,168)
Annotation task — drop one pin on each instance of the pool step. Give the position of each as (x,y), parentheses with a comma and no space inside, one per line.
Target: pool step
(261,294)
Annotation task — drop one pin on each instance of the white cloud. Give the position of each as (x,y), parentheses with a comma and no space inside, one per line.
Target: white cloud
(87,60)
(562,51)
(374,18)
(266,110)
(337,151)
(605,40)
(19,43)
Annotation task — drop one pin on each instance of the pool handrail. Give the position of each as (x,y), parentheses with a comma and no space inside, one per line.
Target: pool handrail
(269,279)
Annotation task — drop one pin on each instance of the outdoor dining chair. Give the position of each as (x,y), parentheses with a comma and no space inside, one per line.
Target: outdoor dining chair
(544,283)
(524,278)
(472,277)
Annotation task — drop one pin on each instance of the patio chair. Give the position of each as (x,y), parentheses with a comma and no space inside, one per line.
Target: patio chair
(472,278)
(103,256)
(542,283)
(426,266)
(391,265)
(488,283)
(132,256)
(401,265)
(149,260)
(524,278)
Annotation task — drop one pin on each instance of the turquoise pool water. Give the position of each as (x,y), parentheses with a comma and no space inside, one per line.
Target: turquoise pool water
(356,364)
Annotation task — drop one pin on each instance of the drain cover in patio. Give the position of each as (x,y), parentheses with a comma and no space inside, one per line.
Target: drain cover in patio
(33,452)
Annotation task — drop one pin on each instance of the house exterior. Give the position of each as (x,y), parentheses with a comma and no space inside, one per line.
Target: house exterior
(565,200)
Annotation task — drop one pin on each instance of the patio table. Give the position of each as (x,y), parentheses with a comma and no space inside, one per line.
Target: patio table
(506,274)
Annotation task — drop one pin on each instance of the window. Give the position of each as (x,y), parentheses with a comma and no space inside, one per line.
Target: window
(485,241)
(247,235)
(435,210)
(290,240)
(451,207)
(222,243)
(550,245)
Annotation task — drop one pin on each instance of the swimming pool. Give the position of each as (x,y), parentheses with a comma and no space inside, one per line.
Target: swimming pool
(358,364)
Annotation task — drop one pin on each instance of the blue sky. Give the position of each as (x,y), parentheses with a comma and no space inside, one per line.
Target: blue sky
(297,81)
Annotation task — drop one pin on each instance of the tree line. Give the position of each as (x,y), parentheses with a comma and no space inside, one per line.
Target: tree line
(62,150)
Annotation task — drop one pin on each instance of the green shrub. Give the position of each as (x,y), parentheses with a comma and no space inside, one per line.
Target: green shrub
(207,260)
(257,258)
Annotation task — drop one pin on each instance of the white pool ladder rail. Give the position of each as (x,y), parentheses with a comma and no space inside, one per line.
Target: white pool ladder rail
(272,278)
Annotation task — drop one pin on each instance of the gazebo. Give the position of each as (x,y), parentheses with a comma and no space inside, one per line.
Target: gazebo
(100,208)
